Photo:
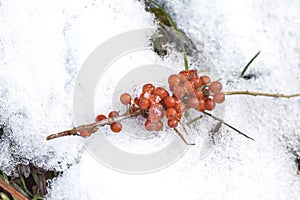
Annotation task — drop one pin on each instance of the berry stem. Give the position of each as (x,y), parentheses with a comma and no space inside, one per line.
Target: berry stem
(220,120)
(261,94)
(181,136)
(93,127)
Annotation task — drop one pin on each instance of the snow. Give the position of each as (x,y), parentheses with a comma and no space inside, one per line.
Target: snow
(44,43)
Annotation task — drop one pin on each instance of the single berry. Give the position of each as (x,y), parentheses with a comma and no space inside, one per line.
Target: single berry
(199,94)
(188,87)
(144,103)
(148,88)
(113,114)
(125,98)
(196,82)
(219,97)
(201,105)
(193,103)
(100,118)
(161,92)
(173,80)
(209,104)
(156,112)
(171,113)
(85,133)
(169,101)
(204,80)
(215,87)
(116,127)
(172,123)
(179,92)
(154,99)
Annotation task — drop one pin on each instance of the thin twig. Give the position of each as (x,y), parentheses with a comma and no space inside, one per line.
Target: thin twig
(261,94)
(194,120)
(183,126)
(93,127)
(220,120)
(181,136)
(12,190)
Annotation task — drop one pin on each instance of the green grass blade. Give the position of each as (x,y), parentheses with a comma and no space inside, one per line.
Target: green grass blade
(248,64)
(186,63)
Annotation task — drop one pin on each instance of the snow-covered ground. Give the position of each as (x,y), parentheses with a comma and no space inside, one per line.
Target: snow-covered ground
(44,43)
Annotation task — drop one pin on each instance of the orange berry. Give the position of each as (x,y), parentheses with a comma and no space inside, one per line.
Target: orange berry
(148,88)
(171,113)
(169,101)
(204,80)
(172,123)
(116,127)
(209,104)
(113,114)
(85,133)
(125,98)
(100,118)
(161,92)
(144,103)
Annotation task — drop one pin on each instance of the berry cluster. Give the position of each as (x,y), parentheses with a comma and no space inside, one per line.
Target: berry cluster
(188,90)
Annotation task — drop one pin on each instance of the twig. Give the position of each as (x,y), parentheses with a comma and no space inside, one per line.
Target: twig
(261,94)
(93,127)
(220,120)
(181,136)
(11,190)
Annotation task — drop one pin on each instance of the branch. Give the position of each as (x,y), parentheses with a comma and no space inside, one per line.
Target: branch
(220,120)
(93,127)
(12,190)
(261,94)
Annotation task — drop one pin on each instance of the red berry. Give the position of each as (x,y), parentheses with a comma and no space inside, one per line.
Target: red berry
(136,100)
(154,99)
(183,75)
(156,112)
(85,133)
(173,80)
(172,123)
(113,114)
(100,118)
(196,82)
(209,104)
(215,87)
(179,92)
(193,74)
(125,98)
(219,97)
(144,103)
(161,92)
(169,101)
(188,87)
(204,80)
(179,106)
(193,103)
(201,105)
(148,88)
(171,113)
(199,94)
(116,127)
(153,126)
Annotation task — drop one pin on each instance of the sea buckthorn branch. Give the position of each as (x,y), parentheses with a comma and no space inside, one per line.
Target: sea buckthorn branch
(261,94)
(87,130)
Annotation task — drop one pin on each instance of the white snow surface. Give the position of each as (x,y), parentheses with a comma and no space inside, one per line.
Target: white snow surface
(44,43)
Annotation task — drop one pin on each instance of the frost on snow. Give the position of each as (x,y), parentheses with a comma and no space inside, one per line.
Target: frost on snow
(44,43)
